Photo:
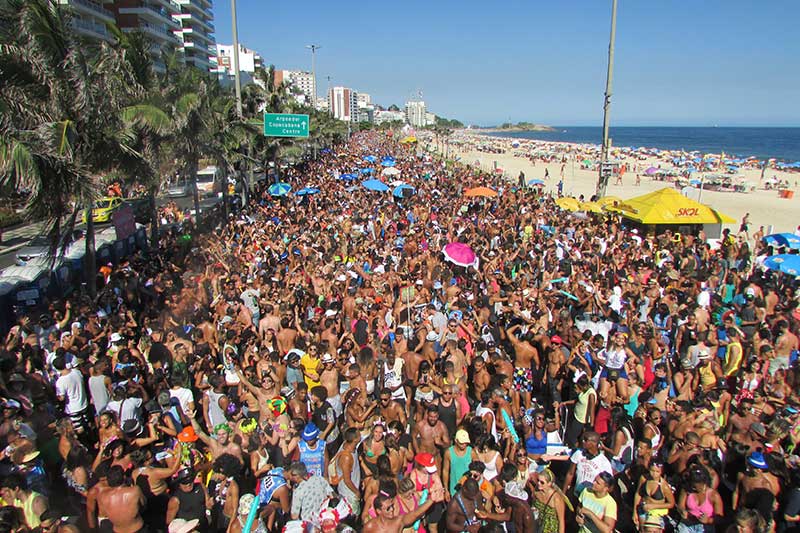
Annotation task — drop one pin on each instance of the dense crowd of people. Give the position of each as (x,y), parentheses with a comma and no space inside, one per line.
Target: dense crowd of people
(317,363)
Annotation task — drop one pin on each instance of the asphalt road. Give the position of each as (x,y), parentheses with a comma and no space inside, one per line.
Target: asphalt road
(7,259)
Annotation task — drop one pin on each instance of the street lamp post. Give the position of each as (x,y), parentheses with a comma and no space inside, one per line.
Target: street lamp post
(314,48)
(237,79)
(602,182)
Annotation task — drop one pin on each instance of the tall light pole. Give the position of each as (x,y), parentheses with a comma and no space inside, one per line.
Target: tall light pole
(236,60)
(604,175)
(314,48)
(328,96)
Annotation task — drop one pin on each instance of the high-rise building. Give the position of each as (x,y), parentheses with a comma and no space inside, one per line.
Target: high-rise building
(222,63)
(89,18)
(364,100)
(343,103)
(301,84)
(196,32)
(154,18)
(415,113)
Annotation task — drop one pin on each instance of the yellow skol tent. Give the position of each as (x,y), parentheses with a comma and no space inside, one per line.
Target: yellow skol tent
(668,206)
(568,203)
(408,140)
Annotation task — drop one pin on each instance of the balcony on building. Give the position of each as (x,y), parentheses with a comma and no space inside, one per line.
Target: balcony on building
(154,13)
(158,32)
(92,30)
(90,10)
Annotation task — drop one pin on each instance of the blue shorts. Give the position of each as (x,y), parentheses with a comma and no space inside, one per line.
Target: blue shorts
(618,373)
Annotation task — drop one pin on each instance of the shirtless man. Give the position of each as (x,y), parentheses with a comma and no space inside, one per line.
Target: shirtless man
(391,410)
(388,520)
(122,503)
(756,476)
(268,321)
(222,444)
(287,335)
(785,343)
(431,436)
(527,356)
(329,378)
(554,376)
(480,377)
(355,380)
(95,515)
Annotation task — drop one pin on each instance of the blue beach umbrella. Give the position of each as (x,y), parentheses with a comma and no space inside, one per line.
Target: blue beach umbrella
(786,263)
(370,159)
(347,177)
(375,185)
(367,170)
(536,182)
(404,190)
(694,182)
(306,191)
(279,189)
(788,240)
(387,161)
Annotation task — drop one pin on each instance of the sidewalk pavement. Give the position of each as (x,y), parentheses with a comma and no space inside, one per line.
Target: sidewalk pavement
(17,237)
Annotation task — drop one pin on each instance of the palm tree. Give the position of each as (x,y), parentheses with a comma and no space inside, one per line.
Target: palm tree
(59,115)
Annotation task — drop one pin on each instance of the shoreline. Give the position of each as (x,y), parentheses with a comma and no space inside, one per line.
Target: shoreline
(554,161)
(775,161)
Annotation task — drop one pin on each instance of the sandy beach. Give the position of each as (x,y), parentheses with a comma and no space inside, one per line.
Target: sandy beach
(765,206)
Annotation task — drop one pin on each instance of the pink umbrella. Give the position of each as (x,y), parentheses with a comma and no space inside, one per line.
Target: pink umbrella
(460,254)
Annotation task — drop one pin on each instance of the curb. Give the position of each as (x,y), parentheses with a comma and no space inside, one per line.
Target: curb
(12,248)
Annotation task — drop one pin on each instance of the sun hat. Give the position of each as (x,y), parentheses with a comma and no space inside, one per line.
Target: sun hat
(757,460)
(179,525)
(513,489)
(115,337)
(327,358)
(187,435)
(431,336)
(426,460)
(310,432)
(245,503)
(30,456)
(462,437)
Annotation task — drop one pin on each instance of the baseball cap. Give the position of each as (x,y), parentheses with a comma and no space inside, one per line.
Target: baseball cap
(426,460)
(310,432)
(462,437)
(179,525)
(555,339)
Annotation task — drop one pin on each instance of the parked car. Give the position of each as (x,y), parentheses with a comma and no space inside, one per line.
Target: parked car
(40,246)
(179,189)
(104,208)
(141,209)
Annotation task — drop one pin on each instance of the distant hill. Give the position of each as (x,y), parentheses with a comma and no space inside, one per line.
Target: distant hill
(519,126)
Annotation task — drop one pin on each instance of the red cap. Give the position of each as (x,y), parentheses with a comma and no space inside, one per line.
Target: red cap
(187,435)
(555,339)
(426,460)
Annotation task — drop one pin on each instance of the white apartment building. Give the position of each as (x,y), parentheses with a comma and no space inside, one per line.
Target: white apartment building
(364,100)
(196,32)
(301,81)
(415,113)
(343,103)
(389,116)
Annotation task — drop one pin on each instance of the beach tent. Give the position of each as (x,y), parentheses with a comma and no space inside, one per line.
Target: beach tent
(480,191)
(668,206)
(568,203)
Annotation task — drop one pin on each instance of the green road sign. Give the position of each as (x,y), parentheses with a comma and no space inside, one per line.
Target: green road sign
(285,125)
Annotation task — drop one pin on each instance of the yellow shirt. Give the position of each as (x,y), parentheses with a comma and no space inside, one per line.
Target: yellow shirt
(733,359)
(310,364)
(582,405)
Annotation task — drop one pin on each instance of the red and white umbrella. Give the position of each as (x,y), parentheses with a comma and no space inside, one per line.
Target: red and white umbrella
(460,254)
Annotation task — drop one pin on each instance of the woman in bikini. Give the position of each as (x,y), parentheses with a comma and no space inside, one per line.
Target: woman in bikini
(654,498)
(372,448)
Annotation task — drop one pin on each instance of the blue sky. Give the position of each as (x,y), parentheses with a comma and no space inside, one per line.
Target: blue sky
(707,62)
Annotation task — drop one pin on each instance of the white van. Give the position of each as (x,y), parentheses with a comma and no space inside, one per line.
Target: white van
(208,181)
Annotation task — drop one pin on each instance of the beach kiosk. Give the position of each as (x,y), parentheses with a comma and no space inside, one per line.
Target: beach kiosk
(667,209)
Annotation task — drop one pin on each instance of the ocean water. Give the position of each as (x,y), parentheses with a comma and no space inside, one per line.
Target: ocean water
(763,143)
